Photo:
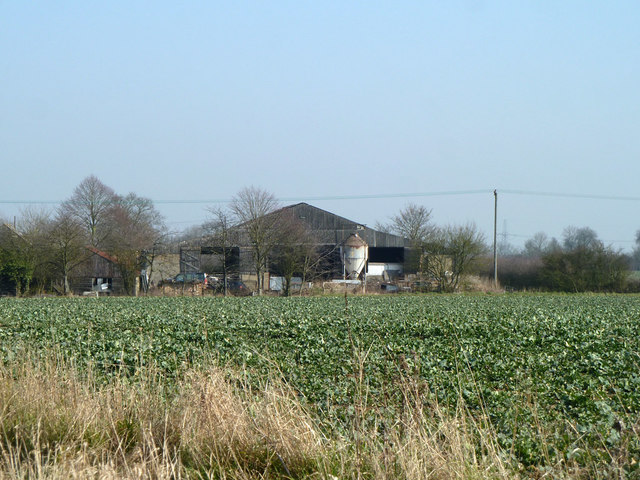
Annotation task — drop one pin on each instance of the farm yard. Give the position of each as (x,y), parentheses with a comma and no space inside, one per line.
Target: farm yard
(438,386)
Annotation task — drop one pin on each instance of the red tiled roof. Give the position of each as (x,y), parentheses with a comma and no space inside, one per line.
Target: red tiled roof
(104,255)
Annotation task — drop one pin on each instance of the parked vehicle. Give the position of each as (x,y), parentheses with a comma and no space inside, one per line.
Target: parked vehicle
(187,278)
(237,287)
(389,288)
(234,287)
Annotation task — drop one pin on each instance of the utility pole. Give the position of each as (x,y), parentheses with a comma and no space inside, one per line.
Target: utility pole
(495,238)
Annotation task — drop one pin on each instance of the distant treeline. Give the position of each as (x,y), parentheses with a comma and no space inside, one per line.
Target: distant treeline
(581,263)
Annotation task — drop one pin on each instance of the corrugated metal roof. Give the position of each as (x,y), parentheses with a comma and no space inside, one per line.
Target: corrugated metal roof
(331,229)
(334,229)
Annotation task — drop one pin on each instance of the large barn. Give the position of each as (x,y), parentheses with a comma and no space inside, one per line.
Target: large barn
(387,252)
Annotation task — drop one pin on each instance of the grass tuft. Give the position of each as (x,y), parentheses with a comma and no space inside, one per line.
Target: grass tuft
(58,422)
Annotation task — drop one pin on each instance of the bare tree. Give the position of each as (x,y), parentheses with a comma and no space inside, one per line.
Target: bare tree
(577,238)
(382,227)
(67,246)
(54,246)
(134,227)
(90,205)
(35,226)
(34,221)
(451,252)
(536,246)
(148,256)
(296,252)
(465,244)
(256,211)
(413,222)
(223,237)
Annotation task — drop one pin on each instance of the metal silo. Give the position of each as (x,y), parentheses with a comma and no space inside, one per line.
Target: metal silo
(355,253)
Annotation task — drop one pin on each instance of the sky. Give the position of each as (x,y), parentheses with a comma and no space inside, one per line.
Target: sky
(357,107)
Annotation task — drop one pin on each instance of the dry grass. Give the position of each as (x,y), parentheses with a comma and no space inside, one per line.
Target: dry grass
(474,283)
(56,422)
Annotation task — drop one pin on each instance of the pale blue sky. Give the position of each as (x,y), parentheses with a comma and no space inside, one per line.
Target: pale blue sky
(194,100)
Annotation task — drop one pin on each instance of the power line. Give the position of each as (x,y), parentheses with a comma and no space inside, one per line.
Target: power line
(571,195)
(30,202)
(532,193)
(388,195)
(284,199)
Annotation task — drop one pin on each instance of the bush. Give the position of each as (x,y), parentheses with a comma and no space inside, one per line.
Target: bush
(15,272)
(585,269)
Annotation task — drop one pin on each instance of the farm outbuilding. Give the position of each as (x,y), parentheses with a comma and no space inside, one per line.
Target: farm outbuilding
(98,272)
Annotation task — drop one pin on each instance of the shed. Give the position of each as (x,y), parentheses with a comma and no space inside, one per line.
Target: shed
(98,272)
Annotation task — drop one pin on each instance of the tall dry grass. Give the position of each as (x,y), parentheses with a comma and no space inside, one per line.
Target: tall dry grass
(57,422)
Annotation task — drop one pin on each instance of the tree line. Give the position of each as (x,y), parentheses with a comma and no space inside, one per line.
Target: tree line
(579,262)
(42,255)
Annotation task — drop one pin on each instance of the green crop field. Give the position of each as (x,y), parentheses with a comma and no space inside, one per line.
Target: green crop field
(556,378)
